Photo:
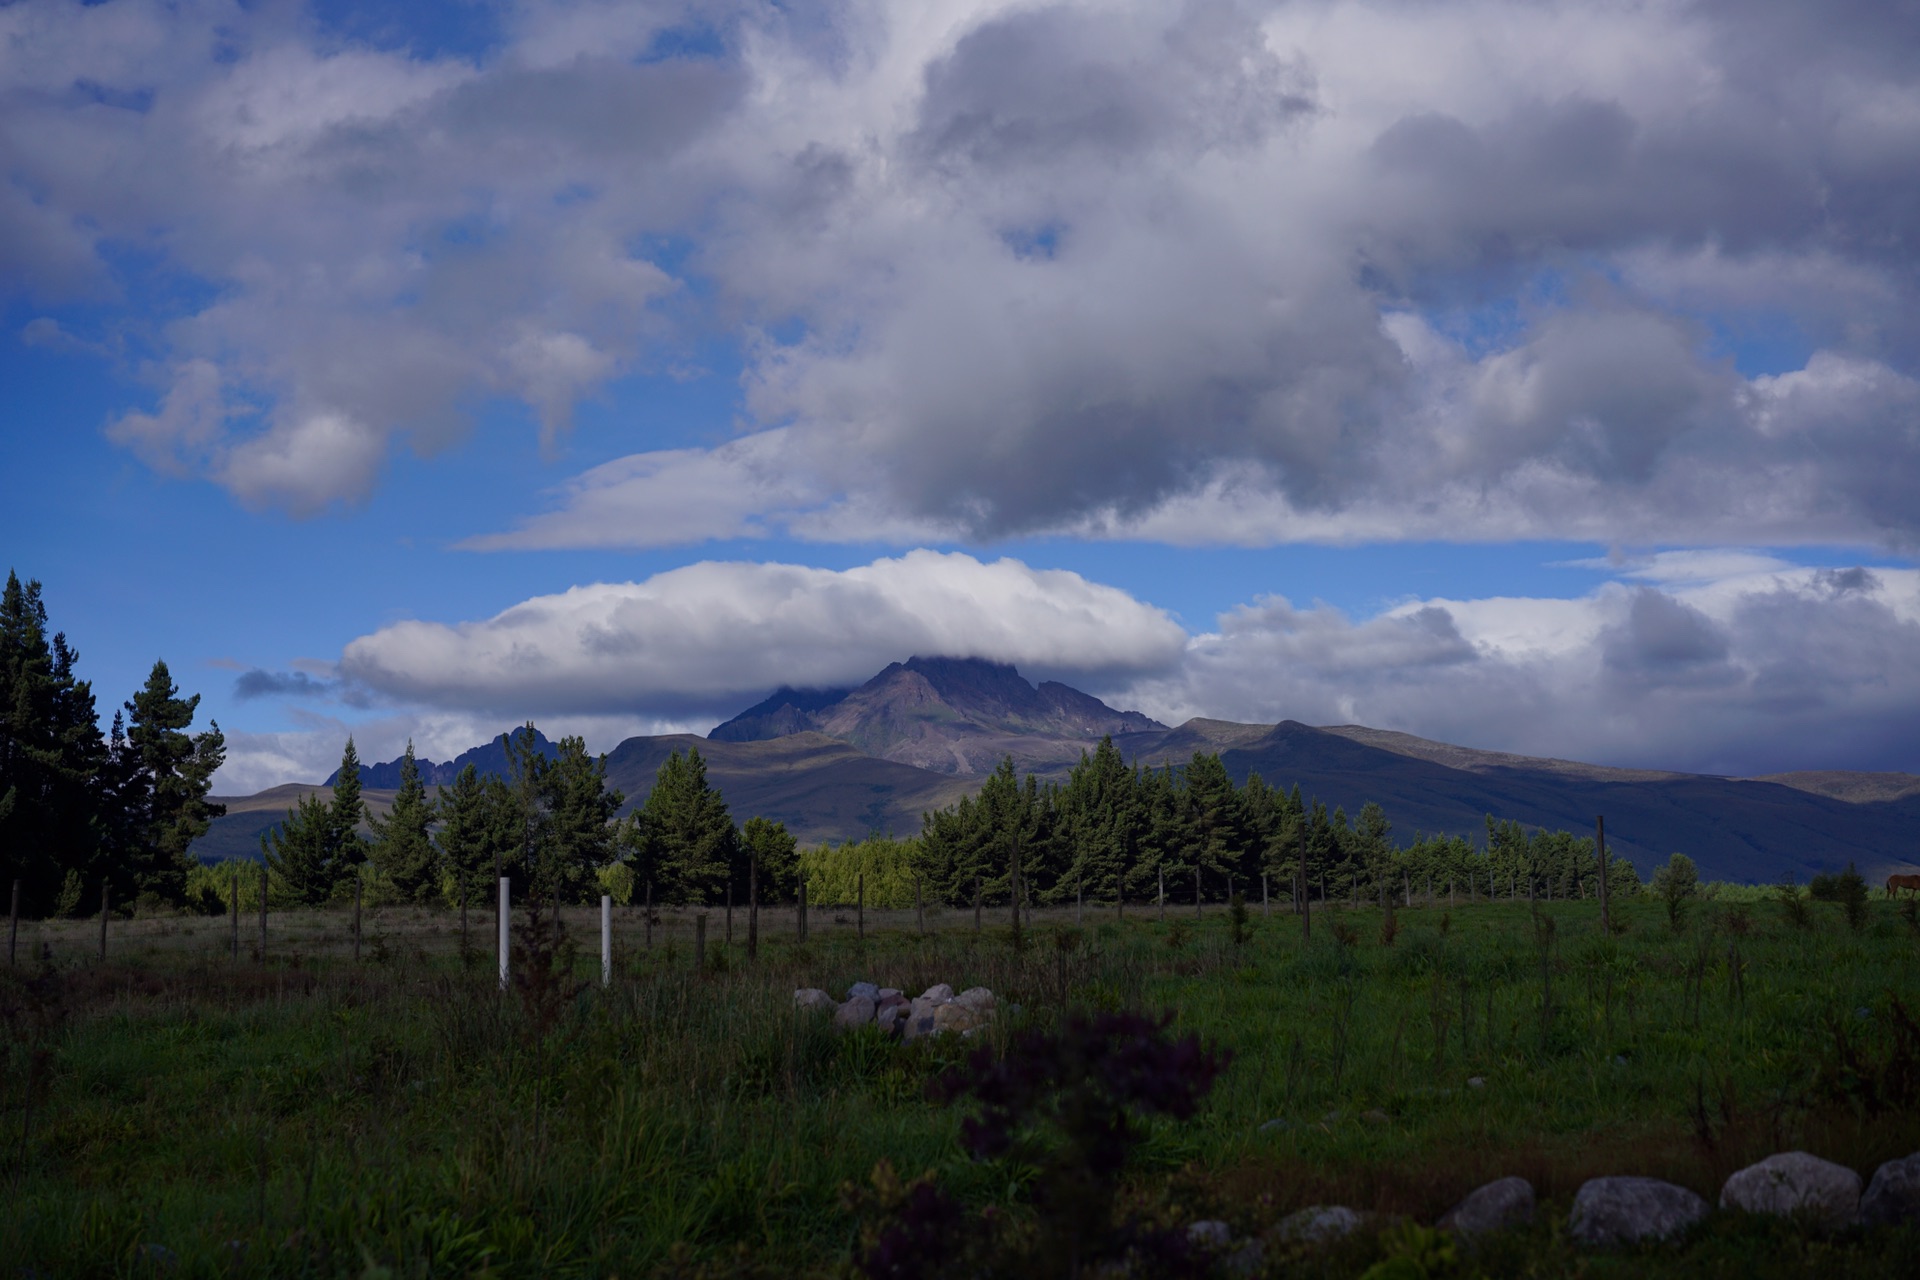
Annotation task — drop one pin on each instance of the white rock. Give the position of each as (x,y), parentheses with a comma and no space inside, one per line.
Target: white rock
(1894,1194)
(856,1012)
(1503,1203)
(954,1016)
(889,993)
(1625,1210)
(889,1018)
(939,993)
(866,989)
(1319,1222)
(919,1019)
(977,998)
(1794,1182)
(814,1000)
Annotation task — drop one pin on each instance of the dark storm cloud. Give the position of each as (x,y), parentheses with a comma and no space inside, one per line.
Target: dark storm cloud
(259,683)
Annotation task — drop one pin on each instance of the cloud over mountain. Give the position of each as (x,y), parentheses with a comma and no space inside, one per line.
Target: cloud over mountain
(713,637)
(1194,270)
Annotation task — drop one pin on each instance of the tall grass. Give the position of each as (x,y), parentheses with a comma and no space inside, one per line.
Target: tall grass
(302,1115)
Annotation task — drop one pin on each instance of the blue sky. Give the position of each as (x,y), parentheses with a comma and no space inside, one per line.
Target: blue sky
(448,366)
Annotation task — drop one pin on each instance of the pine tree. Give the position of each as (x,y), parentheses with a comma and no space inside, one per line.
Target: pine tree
(478,832)
(683,836)
(778,855)
(50,754)
(403,851)
(300,851)
(580,808)
(177,771)
(344,816)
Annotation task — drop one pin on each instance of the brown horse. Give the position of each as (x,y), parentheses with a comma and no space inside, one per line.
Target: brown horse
(1896,883)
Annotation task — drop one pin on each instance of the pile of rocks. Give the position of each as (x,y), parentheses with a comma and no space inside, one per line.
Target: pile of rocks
(933,1012)
(1615,1211)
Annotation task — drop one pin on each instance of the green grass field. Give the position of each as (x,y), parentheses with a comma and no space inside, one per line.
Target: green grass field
(176,1110)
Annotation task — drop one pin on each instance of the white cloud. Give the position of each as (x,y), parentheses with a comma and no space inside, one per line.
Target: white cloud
(1757,671)
(1210,272)
(713,637)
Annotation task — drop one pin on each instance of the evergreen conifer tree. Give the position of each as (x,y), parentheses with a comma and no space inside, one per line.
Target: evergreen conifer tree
(344,816)
(177,771)
(580,809)
(683,836)
(477,840)
(779,858)
(403,852)
(50,754)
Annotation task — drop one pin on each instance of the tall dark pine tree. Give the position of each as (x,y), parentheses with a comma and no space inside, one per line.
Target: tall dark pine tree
(778,854)
(683,837)
(348,848)
(478,835)
(318,846)
(580,810)
(50,754)
(403,852)
(177,771)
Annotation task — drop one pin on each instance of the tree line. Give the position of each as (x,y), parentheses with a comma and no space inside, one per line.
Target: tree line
(549,824)
(80,808)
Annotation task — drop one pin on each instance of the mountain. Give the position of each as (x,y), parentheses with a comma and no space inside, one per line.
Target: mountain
(950,715)
(839,764)
(489,758)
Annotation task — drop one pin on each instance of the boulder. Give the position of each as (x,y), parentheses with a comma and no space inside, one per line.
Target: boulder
(866,989)
(1796,1183)
(976,998)
(1894,1194)
(856,1012)
(1503,1203)
(957,1017)
(890,1018)
(814,1000)
(1625,1210)
(891,993)
(890,1000)
(919,1019)
(1318,1222)
(939,993)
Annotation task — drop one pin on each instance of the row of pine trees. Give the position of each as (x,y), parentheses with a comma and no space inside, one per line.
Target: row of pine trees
(81,809)
(549,825)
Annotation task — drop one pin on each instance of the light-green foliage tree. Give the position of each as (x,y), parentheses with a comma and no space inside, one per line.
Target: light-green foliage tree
(1676,885)
(890,868)
(403,853)
(682,840)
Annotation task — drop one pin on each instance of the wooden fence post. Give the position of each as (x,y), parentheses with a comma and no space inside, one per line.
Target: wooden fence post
(753,906)
(606,940)
(1266,906)
(802,916)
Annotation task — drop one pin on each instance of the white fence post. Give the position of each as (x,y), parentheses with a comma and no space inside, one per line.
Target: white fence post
(504,901)
(606,940)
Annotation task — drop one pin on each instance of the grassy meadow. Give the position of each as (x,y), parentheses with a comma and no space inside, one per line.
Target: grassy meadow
(175,1109)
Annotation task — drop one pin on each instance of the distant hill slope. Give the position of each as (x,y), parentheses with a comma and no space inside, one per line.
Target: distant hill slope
(950,715)
(822,789)
(238,834)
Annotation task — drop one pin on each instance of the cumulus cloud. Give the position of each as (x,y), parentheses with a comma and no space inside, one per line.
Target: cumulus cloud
(1764,669)
(1759,667)
(1199,270)
(713,637)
